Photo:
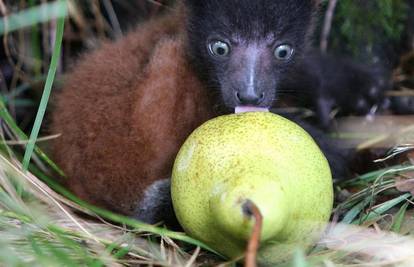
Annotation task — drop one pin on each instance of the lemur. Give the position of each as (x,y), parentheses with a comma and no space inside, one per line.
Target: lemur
(126,108)
(324,82)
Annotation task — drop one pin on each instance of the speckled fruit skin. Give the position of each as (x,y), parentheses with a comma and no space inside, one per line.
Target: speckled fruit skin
(257,156)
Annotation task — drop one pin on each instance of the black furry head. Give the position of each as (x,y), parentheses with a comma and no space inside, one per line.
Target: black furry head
(242,48)
(326,82)
(355,88)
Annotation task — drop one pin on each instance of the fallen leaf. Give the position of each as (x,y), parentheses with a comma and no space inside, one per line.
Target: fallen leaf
(404,184)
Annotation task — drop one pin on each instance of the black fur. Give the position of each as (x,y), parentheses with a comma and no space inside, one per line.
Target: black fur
(252,29)
(325,82)
(156,205)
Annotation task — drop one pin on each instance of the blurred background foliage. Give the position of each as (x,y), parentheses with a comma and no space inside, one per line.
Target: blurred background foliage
(372,30)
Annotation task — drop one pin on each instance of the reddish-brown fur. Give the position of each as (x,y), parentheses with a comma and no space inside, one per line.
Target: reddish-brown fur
(124,112)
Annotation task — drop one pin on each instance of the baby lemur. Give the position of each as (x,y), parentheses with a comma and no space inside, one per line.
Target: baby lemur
(126,108)
(325,82)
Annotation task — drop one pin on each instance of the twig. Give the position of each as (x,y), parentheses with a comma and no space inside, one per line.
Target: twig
(2,7)
(99,19)
(156,8)
(405,91)
(193,258)
(327,25)
(155,2)
(112,18)
(23,142)
(253,246)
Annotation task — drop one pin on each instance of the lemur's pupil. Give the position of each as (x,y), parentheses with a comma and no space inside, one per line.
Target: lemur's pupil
(221,51)
(283,54)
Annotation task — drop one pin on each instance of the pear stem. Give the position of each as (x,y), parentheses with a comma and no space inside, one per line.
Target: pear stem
(251,210)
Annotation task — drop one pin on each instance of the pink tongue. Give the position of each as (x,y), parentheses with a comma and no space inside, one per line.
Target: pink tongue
(242,109)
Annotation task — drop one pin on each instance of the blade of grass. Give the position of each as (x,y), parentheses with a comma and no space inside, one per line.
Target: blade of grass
(355,211)
(37,249)
(121,253)
(47,90)
(399,218)
(32,16)
(8,119)
(24,103)
(299,259)
(16,92)
(384,207)
(78,249)
(9,257)
(62,256)
(370,177)
(369,191)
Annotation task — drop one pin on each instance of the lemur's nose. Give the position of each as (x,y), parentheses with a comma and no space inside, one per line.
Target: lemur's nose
(249,98)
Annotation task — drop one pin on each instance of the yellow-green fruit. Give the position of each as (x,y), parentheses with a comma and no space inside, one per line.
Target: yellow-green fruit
(254,156)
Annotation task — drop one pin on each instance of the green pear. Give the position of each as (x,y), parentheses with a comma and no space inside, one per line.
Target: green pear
(258,157)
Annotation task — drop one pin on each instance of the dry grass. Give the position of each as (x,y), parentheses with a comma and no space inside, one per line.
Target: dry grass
(41,224)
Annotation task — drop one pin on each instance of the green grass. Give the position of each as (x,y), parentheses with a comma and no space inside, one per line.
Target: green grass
(33,16)
(40,226)
(47,90)
(43,224)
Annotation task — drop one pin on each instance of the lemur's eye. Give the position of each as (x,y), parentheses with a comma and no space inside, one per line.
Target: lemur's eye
(283,52)
(219,48)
